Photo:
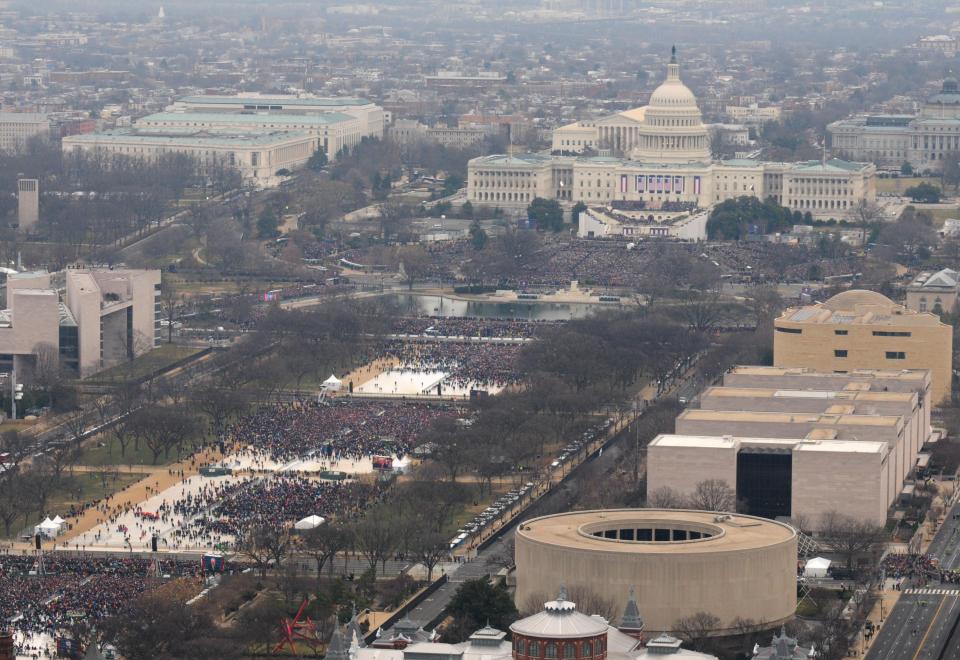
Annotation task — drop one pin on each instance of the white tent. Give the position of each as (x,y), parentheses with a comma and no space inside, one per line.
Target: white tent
(58,520)
(816,567)
(47,528)
(310,522)
(332,384)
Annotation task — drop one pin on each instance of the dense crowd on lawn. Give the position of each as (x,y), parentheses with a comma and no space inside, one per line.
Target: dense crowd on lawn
(469,327)
(468,364)
(98,587)
(555,262)
(339,429)
(222,513)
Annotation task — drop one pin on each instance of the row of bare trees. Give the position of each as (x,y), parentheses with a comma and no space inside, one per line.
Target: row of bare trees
(413,522)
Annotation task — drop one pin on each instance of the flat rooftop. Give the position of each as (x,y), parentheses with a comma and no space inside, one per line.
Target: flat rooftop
(790,418)
(27,117)
(731,532)
(858,307)
(246,119)
(254,99)
(794,444)
(856,395)
(199,138)
(899,374)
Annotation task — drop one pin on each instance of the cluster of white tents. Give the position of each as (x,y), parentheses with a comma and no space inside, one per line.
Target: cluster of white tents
(50,527)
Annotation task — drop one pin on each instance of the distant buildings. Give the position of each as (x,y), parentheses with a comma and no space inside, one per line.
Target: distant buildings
(753,114)
(18,127)
(938,43)
(865,330)
(922,140)
(104,317)
(258,135)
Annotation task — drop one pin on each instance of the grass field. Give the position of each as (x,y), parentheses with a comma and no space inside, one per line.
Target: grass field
(105,450)
(940,215)
(901,184)
(160,357)
(81,487)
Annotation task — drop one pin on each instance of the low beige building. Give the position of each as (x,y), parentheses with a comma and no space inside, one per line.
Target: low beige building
(17,128)
(865,330)
(256,155)
(793,478)
(858,380)
(679,562)
(846,402)
(333,131)
(889,429)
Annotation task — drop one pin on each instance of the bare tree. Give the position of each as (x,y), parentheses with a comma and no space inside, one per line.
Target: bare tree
(591,602)
(850,537)
(324,542)
(713,495)
(429,548)
(698,629)
(262,544)
(376,537)
(666,498)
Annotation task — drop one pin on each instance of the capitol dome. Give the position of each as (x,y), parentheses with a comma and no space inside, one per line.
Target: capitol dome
(672,93)
(673,129)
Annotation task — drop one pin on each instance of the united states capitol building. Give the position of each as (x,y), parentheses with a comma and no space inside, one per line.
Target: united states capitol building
(665,168)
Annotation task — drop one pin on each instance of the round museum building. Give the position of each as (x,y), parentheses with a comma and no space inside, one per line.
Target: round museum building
(678,562)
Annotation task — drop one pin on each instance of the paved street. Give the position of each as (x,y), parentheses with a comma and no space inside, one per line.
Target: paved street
(923,624)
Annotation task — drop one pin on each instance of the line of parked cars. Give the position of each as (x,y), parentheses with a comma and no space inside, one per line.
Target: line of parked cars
(574,448)
(504,504)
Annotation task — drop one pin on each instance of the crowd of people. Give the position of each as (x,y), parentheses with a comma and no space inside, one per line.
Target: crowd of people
(913,566)
(468,364)
(337,430)
(94,587)
(555,262)
(468,327)
(224,513)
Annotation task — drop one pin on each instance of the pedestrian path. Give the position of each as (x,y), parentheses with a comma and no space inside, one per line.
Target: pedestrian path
(946,591)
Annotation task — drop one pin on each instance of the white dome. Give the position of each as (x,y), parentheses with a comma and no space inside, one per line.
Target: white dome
(673,94)
(673,129)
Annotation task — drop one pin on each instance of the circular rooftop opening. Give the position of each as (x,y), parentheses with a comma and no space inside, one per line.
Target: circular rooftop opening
(650,531)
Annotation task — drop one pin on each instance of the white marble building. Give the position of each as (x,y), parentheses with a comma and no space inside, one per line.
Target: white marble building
(665,160)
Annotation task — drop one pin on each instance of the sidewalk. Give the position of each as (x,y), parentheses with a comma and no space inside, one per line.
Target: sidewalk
(888,599)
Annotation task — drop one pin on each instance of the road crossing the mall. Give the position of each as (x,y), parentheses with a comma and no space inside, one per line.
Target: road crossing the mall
(933,591)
